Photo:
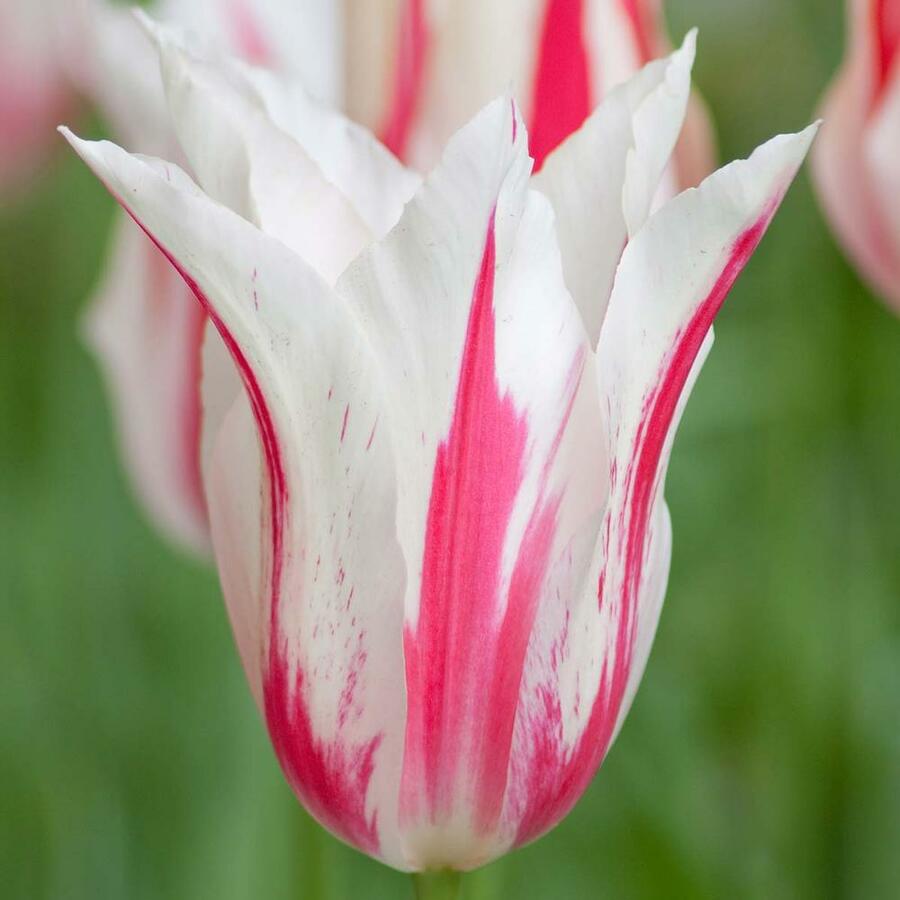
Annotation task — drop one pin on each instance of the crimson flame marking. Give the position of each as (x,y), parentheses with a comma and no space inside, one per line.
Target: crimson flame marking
(463,666)
(412,47)
(557,777)
(330,778)
(561,98)
(886,24)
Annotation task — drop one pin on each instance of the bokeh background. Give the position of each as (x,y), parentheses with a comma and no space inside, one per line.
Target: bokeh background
(762,757)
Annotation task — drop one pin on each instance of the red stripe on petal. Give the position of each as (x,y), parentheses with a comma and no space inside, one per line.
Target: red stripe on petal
(331,778)
(556,776)
(412,47)
(247,35)
(500,694)
(465,656)
(886,23)
(561,98)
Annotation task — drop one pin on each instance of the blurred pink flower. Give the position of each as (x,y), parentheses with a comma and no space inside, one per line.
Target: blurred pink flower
(435,463)
(559,58)
(857,160)
(34,92)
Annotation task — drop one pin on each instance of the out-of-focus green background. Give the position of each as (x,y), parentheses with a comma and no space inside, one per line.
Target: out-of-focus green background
(762,757)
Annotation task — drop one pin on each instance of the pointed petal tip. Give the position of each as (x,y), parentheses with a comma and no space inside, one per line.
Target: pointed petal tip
(688,46)
(75,142)
(679,64)
(785,151)
(503,114)
(98,156)
(797,144)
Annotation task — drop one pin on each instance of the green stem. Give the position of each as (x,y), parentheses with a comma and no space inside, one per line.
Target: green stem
(437,885)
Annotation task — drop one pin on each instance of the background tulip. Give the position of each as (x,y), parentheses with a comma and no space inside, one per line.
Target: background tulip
(451,56)
(414,71)
(857,164)
(35,39)
(437,504)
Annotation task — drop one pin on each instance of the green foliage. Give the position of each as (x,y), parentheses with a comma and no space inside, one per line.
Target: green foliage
(762,757)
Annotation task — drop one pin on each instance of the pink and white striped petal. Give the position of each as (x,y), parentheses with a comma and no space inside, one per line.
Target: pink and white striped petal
(320,594)
(482,350)
(602,180)
(418,69)
(585,662)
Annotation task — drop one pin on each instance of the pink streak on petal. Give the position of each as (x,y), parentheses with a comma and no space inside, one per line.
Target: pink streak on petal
(558,777)
(477,473)
(464,660)
(561,98)
(886,23)
(372,434)
(330,778)
(412,49)
(638,19)
(501,692)
(247,35)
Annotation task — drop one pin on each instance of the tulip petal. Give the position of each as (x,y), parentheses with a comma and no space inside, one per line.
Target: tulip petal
(245,162)
(848,186)
(260,145)
(146,330)
(881,151)
(601,181)
(325,582)
(672,280)
(482,349)
(350,157)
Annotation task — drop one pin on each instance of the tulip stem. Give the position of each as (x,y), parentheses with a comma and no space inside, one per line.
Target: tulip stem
(437,885)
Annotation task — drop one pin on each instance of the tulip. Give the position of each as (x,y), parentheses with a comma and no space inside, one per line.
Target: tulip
(34,94)
(437,502)
(452,56)
(857,161)
(415,72)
